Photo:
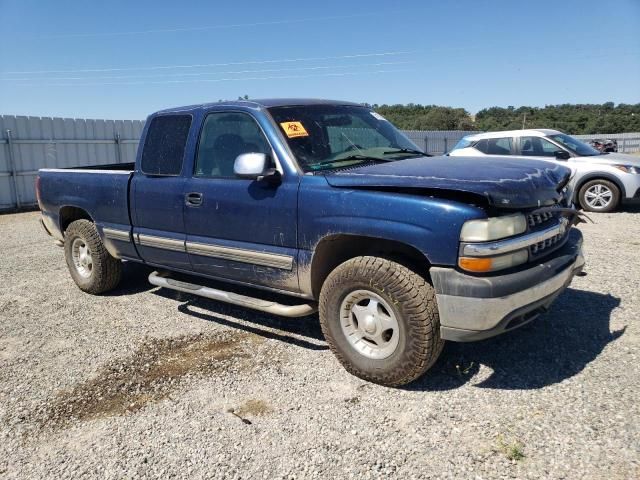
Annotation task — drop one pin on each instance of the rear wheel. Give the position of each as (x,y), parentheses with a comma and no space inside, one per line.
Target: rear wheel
(91,266)
(381,320)
(599,195)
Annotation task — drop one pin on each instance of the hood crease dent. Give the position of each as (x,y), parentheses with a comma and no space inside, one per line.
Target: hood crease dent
(504,183)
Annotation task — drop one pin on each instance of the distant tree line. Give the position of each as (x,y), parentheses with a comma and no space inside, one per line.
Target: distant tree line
(426,117)
(576,119)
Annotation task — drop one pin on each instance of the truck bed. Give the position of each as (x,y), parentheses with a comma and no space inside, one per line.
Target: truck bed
(100,191)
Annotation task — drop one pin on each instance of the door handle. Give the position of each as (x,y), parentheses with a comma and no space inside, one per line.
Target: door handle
(193,199)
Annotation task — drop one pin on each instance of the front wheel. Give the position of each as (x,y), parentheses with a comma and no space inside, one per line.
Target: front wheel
(599,196)
(381,321)
(91,266)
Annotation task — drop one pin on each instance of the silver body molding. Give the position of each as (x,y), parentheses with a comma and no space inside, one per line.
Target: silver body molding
(482,314)
(159,242)
(284,262)
(117,234)
(254,257)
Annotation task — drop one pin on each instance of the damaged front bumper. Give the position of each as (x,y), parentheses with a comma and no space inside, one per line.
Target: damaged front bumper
(474,308)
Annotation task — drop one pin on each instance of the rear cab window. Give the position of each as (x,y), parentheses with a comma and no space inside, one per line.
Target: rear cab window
(164,145)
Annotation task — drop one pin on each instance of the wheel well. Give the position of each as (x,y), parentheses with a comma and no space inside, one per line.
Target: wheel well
(611,179)
(337,249)
(71,214)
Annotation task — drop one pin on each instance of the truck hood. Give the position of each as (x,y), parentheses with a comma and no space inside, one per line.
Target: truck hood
(502,182)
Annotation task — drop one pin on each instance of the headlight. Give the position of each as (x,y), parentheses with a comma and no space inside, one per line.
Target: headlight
(493,228)
(491,264)
(628,169)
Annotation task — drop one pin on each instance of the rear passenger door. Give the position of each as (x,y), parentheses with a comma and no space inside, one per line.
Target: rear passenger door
(157,193)
(240,229)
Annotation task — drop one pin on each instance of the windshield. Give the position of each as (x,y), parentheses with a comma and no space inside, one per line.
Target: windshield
(464,142)
(330,136)
(576,146)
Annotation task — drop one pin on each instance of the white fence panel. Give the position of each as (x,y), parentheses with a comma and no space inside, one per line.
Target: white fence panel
(35,142)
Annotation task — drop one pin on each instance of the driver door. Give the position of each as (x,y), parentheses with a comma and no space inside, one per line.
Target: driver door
(239,229)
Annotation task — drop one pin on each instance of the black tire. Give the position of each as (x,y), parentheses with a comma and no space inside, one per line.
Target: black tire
(105,271)
(609,207)
(413,302)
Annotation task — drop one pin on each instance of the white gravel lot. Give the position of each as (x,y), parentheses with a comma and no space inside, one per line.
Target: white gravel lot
(141,383)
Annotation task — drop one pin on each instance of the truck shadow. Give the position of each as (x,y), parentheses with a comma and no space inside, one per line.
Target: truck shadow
(288,330)
(552,348)
(134,280)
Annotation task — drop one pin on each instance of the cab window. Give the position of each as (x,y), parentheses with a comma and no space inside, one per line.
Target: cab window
(224,136)
(164,145)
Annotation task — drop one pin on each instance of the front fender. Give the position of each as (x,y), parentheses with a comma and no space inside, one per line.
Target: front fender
(430,225)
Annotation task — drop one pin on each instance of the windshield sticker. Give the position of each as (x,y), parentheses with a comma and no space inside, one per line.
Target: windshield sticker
(294,129)
(377,116)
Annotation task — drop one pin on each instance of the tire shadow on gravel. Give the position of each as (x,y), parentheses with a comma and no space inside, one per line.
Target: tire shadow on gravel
(134,280)
(550,349)
(262,324)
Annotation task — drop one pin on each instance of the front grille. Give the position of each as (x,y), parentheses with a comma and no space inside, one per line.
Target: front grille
(540,248)
(536,219)
(541,221)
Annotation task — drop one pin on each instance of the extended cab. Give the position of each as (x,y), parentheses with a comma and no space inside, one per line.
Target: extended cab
(327,203)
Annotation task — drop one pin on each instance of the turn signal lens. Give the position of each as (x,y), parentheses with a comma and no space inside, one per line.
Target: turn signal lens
(491,264)
(475,264)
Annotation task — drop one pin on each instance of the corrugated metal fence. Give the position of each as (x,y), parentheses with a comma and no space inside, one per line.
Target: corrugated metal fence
(30,143)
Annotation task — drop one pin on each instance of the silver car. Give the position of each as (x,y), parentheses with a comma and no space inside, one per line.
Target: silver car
(600,180)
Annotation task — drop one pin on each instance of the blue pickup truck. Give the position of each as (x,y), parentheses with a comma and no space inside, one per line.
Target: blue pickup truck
(329,204)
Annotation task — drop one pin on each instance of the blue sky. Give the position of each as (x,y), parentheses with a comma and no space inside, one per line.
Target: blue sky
(125,59)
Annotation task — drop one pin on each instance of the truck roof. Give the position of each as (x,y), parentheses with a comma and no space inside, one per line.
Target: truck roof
(265,103)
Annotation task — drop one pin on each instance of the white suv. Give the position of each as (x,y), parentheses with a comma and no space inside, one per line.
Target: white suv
(600,181)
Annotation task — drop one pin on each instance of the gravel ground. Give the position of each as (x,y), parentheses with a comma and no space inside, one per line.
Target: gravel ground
(148,383)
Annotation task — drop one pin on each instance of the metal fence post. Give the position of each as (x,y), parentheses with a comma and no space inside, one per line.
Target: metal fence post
(426,144)
(118,147)
(12,166)
(624,145)
(446,145)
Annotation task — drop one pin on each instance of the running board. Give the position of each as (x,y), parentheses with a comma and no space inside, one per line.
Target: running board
(228,297)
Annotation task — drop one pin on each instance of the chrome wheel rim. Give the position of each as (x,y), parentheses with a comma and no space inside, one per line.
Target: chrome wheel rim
(82,260)
(369,324)
(598,196)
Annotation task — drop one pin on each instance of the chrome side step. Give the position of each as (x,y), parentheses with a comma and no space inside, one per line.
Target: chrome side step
(301,310)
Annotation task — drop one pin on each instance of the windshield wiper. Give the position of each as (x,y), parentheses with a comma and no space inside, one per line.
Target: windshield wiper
(359,156)
(406,150)
(351,157)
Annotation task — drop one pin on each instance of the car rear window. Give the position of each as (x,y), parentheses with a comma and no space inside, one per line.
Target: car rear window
(164,145)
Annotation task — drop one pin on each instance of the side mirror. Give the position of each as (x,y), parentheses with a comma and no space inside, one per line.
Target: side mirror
(562,155)
(254,166)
